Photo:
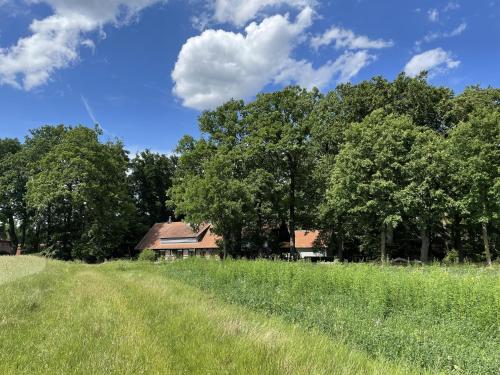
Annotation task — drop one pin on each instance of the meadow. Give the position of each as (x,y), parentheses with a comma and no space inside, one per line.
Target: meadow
(247,317)
(433,317)
(131,318)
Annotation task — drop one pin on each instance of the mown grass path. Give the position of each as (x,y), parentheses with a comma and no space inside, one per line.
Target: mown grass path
(12,268)
(126,318)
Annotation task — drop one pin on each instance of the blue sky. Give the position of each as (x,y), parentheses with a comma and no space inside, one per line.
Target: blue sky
(144,69)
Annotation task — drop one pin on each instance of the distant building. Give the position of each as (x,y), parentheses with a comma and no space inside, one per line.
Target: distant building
(6,248)
(180,240)
(307,244)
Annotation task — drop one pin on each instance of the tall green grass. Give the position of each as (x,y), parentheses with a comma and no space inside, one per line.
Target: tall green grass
(436,318)
(12,268)
(127,318)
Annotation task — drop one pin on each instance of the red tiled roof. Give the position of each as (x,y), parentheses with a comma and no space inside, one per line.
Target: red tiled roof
(176,230)
(304,239)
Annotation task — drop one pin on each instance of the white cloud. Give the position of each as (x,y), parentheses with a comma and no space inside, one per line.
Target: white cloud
(219,65)
(89,43)
(458,30)
(434,61)
(433,15)
(430,37)
(452,5)
(55,40)
(344,38)
(455,32)
(345,67)
(239,12)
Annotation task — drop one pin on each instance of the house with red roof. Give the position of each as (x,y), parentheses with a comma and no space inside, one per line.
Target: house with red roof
(181,240)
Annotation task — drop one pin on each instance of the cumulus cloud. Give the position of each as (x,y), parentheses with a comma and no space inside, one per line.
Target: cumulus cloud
(219,65)
(239,12)
(343,68)
(434,61)
(344,38)
(54,41)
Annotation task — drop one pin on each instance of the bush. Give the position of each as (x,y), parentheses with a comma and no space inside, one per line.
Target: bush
(147,255)
(451,257)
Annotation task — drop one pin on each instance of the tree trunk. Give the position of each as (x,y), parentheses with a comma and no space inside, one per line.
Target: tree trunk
(390,235)
(237,242)
(331,244)
(36,238)
(24,227)
(12,232)
(425,244)
(224,247)
(383,235)
(49,225)
(291,226)
(340,246)
(457,238)
(486,241)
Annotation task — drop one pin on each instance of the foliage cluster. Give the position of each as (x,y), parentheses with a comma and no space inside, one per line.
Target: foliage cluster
(441,319)
(383,169)
(147,255)
(69,194)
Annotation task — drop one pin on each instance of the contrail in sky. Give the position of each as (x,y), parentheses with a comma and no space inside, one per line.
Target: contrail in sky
(89,110)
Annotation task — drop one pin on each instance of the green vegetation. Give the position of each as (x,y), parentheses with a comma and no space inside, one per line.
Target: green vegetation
(130,318)
(383,169)
(68,194)
(12,268)
(147,255)
(438,318)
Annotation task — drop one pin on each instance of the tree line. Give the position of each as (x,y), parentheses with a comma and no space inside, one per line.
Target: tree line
(381,168)
(67,194)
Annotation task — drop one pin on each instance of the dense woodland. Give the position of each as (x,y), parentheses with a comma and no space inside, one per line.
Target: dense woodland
(383,169)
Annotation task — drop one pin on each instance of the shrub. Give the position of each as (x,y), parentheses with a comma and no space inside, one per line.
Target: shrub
(451,257)
(147,255)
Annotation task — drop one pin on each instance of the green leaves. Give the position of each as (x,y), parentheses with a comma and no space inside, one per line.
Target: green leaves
(474,150)
(368,172)
(80,193)
(150,176)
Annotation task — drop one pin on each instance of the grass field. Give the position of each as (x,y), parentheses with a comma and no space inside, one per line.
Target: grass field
(135,318)
(438,318)
(12,268)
